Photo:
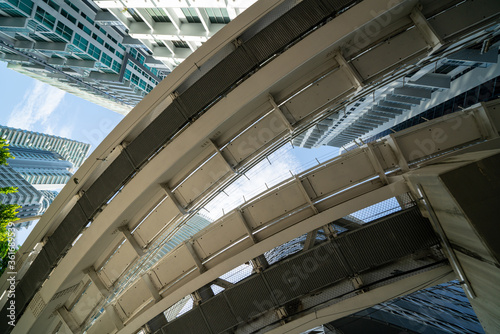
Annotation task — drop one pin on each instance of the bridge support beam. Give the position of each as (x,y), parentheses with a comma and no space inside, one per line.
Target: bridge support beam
(461,195)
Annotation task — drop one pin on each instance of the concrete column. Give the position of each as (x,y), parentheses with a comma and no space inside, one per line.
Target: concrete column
(461,196)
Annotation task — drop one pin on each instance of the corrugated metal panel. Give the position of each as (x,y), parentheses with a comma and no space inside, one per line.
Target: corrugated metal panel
(414,231)
(217,81)
(389,239)
(37,273)
(399,235)
(267,19)
(218,314)
(257,299)
(86,206)
(60,241)
(190,323)
(110,181)
(287,28)
(156,134)
(339,5)
(312,270)
(56,246)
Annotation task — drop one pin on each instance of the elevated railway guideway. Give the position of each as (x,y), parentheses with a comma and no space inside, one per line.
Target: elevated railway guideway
(270,74)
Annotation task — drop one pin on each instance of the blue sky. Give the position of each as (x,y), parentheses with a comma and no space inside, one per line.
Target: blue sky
(32,105)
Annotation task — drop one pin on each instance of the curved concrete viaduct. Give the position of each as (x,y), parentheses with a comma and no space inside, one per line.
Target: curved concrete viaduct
(272,73)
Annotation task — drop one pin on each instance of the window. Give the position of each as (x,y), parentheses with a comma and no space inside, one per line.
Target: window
(64,31)
(132,13)
(180,44)
(84,28)
(109,47)
(80,42)
(45,18)
(133,52)
(191,15)
(94,51)
(24,5)
(98,39)
(158,14)
(141,58)
(52,4)
(119,55)
(106,60)
(100,29)
(72,6)
(116,66)
(218,15)
(111,38)
(68,16)
(135,79)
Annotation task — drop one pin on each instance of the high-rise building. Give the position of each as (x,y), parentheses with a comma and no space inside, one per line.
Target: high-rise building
(42,165)
(26,196)
(112,58)
(32,145)
(169,31)
(441,309)
(48,197)
(41,168)
(449,84)
(61,44)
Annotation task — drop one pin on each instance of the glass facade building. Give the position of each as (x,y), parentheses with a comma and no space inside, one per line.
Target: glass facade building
(61,44)
(27,196)
(42,147)
(102,51)
(42,165)
(170,31)
(450,84)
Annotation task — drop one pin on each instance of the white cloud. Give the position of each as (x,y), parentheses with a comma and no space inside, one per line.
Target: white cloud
(37,106)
